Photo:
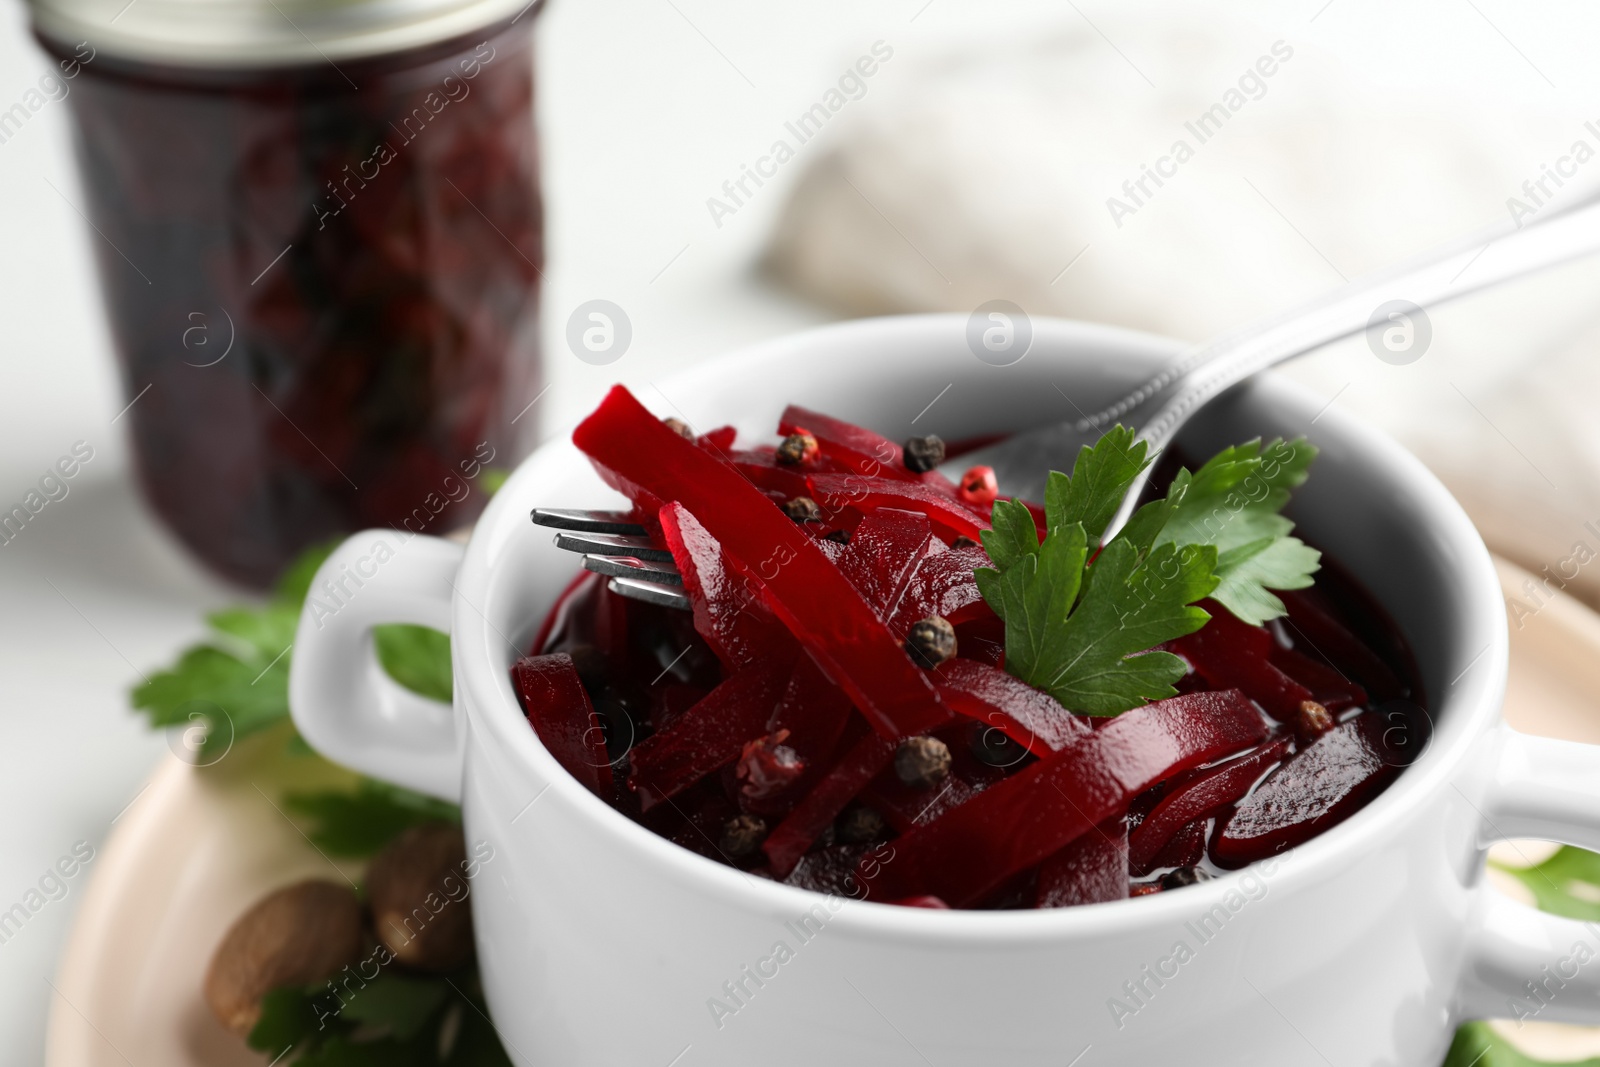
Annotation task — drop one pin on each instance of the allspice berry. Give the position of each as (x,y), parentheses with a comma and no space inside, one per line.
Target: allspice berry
(922,761)
(417,888)
(922,454)
(931,641)
(802,509)
(742,835)
(679,427)
(298,935)
(1311,721)
(798,447)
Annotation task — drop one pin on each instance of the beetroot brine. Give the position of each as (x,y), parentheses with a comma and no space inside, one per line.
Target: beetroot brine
(863,700)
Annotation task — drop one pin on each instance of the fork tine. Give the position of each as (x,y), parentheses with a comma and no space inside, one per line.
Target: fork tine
(585,521)
(600,544)
(622,567)
(668,596)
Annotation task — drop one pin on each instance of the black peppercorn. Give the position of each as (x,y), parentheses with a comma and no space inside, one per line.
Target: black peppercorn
(802,509)
(922,761)
(963,542)
(931,641)
(679,427)
(1182,876)
(859,825)
(922,454)
(743,834)
(798,447)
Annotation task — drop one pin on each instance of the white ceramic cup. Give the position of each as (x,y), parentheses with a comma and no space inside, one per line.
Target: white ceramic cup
(603,944)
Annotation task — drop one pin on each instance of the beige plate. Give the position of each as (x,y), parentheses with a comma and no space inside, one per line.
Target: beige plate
(198,846)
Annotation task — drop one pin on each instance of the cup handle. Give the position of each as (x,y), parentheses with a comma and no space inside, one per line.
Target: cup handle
(1523,963)
(343,702)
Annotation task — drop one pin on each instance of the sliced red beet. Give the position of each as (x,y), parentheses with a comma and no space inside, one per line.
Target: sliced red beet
(1316,789)
(559,711)
(707,736)
(1032,719)
(1186,848)
(859,449)
(1092,869)
(803,588)
(815,712)
(735,624)
(983,639)
(884,552)
(1234,655)
(1018,822)
(791,838)
(836,493)
(1328,687)
(1203,795)
(920,902)
(943,584)
(763,469)
(1314,625)
(907,807)
(719,440)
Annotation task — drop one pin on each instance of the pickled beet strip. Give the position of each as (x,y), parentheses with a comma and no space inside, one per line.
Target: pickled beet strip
(1312,622)
(907,807)
(883,554)
(734,623)
(1092,869)
(1234,655)
(764,471)
(1033,719)
(803,588)
(942,584)
(1316,789)
(951,519)
(559,711)
(813,710)
(1038,811)
(861,450)
(1202,796)
(791,838)
(1186,848)
(708,736)
(1328,687)
(719,440)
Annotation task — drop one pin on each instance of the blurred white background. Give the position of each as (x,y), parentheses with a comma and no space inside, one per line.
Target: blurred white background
(1409,124)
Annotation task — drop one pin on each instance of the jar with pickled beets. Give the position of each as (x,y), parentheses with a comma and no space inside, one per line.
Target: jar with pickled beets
(320,239)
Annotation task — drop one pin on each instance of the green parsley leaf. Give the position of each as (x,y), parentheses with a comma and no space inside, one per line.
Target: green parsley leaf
(1477,1045)
(1233,502)
(1091,654)
(360,823)
(1100,478)
(1568,883)
(1011,534)
(417,657)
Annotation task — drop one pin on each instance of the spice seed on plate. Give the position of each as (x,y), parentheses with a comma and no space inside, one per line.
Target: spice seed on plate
(799,447)
(922,454)
(679,427)
(743,834)
(931,641)
(922,761)
(802,509)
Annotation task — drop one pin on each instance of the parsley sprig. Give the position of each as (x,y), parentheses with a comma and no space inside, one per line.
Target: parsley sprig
(1081,624)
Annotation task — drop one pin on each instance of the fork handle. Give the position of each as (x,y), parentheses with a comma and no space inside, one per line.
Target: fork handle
(1486,259)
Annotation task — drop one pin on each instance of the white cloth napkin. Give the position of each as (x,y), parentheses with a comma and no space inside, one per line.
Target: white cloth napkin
(990,172)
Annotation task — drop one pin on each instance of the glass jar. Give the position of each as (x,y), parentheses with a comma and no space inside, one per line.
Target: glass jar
(320,241)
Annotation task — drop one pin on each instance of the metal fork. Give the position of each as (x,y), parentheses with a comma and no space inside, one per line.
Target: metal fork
(614,546)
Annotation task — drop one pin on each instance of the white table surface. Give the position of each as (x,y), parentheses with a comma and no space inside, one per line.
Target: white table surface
(647,106)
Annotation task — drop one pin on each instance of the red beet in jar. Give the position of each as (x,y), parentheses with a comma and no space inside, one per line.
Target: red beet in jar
(320,240)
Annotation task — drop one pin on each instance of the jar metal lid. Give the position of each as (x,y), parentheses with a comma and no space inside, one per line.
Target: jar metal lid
(266,33)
